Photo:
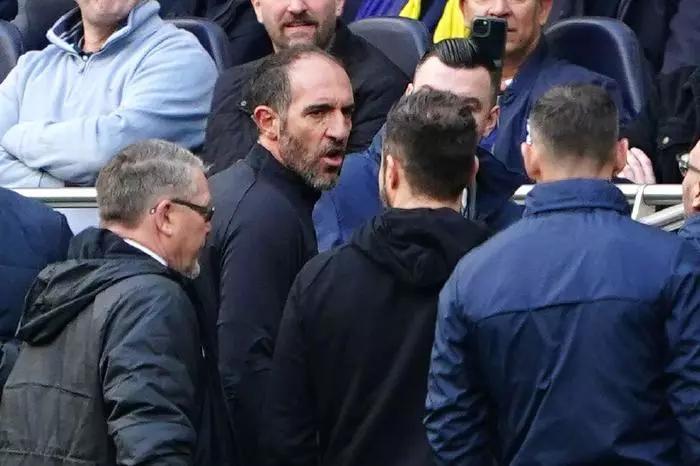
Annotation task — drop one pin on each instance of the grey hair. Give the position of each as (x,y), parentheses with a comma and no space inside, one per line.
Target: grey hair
(130,183)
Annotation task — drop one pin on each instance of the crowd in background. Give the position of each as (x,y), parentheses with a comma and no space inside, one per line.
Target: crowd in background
(312,258)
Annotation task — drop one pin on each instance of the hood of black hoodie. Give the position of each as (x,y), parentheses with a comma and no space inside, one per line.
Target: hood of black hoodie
(420,247)
(97,259)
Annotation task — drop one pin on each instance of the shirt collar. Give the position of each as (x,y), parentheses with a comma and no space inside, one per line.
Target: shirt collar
(575,194)
(145,250)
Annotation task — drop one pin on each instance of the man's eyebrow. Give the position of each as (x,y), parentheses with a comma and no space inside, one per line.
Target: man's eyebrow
(472,102)
(313,108)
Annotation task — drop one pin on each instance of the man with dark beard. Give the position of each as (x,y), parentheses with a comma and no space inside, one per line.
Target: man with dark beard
(263,234)
(351,363)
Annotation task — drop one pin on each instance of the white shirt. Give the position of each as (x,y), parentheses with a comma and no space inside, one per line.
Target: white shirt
(145,250)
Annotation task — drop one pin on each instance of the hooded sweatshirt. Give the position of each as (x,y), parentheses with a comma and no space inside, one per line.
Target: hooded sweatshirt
(110,371)
(64,114)
(351,361)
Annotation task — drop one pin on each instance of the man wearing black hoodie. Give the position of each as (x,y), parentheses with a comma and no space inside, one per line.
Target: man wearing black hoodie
(351,362)
(112,369)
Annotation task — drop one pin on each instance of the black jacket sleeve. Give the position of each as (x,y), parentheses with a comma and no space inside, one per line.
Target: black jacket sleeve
(260,257)
(290,422)
(230,132)
(149,366)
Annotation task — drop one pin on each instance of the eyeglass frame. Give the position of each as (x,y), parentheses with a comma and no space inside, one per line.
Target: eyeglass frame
(684,165)
(206,212)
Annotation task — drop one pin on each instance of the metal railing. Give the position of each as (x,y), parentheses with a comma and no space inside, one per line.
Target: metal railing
(644,200)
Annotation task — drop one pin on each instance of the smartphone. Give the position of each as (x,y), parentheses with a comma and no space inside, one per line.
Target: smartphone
(489,36)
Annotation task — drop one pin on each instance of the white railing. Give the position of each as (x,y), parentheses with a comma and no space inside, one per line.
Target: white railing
(644,200)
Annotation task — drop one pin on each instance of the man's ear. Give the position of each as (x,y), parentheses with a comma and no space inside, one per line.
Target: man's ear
(258,10)
(339,6)
(162,215)
(475,170)
(621,149)
(409,89)
(267,121)
(545,10)
(532,162)
(695,200)
(492,119)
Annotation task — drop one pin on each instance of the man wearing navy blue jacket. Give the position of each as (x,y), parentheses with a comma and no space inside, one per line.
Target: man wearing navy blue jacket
(529,70)
(572,337)
(450,65)
(32,236)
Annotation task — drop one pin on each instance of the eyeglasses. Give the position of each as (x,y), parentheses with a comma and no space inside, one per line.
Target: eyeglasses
(684,164)
(207,212)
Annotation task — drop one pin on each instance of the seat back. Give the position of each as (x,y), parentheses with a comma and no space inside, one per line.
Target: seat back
(606,46)
(212,37)
(35,18)
(10,48)
(402,40)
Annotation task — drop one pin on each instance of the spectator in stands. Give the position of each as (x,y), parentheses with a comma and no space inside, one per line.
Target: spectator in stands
(529,70)
(348,382)
(263,233)
(579,348)
(114,74)
(377,83)
(33,236)
(451,65)
(689,166)
(111,336)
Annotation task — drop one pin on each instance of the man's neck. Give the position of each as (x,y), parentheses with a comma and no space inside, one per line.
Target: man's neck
(137,236)
(95,37)
(273,149)
(426,203)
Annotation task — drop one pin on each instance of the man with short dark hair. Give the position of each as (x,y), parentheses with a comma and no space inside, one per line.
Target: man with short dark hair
(111,370)
(453,65)
(348,384)
(572,337)
(263,234)
(376,82)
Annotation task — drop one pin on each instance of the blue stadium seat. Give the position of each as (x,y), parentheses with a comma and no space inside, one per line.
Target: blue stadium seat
(402,40)
(10,48)
(606,46)
(212,37)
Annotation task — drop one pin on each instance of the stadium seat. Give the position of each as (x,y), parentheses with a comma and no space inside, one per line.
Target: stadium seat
(606,46)
(35,18)
(402,40)
(10,48)
(212,37)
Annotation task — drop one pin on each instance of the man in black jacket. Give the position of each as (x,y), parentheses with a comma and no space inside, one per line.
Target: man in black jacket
(111,370)
(263,233)
(376,82)
(350,367)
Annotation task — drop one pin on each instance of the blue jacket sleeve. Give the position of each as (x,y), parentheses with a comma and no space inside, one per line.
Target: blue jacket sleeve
(456,404)
(683,333)
(683,45)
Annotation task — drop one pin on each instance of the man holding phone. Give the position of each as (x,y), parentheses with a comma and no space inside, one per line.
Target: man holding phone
(529,70)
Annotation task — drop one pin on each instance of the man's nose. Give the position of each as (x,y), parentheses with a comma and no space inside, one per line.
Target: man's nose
(296,6)
(499,8)
(339,127)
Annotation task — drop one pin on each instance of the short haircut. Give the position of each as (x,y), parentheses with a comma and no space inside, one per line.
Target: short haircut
(130,183)
(576,121)
(464,54)
(434,135)
(269,85)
